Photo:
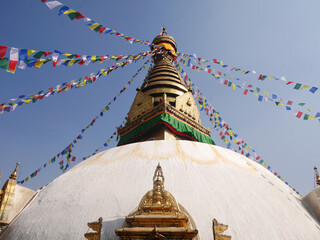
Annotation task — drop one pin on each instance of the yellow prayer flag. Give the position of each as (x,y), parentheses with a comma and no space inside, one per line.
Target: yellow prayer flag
(39,63)
(280,104)
(144,67)
(26,101)
(87,127)
(72,62)
(256,94)
(233,86)
(72,82)
(108,140)
(265,164)
(226,141)
(221,63)
(118,94)
(266,93)
(304,87)
(30,52)
(311,117)
(93,58)
(26,180)
(93,26)
(230,78)
(49,162)
(69,11)
(309,110)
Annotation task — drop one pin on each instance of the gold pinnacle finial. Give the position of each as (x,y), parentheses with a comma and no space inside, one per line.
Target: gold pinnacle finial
(164,31)
(316,175)
(158,185)
(13,175)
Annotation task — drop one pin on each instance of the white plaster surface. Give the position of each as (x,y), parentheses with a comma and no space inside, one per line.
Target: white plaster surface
(208,181)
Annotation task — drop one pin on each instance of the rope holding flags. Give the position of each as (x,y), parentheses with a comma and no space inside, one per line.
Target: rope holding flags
(33,58)
(225,130)
(23,99)
(68,150)
(261,77)
(257,92)
(94,26)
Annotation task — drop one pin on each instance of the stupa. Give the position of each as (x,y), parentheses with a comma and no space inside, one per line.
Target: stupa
(165,180)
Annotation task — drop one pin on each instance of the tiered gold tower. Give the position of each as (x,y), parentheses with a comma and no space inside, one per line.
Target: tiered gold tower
(163,108)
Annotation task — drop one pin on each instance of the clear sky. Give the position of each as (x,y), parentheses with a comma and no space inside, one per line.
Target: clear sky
(277,38)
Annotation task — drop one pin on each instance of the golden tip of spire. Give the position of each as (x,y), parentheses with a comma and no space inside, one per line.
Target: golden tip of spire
(13,175)
(164,31)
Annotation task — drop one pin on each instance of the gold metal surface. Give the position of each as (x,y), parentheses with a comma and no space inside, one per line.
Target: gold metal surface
(158,216)
(95,226)
(7,194)
(317,177)
(163,88)
(219,228)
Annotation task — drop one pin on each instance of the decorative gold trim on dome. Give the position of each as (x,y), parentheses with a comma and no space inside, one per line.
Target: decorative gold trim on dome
(158,216)
(317,177)
(219,228)
(95,226)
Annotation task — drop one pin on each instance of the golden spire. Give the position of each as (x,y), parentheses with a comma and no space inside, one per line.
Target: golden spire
(13,175)
(316,175)
(164,31)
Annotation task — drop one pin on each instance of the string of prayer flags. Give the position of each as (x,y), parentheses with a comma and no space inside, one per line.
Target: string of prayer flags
(261,77)
(66,152)
(25,99)
(94,26)
(257,93)
(225,131)
(23,58)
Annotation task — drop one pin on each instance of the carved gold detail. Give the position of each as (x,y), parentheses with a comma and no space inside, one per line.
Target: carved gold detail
(95,226)
(158,216)
(219,228)
(317,177)
(7,194)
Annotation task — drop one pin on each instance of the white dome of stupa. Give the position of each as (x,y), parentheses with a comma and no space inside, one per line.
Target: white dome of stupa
(210,182)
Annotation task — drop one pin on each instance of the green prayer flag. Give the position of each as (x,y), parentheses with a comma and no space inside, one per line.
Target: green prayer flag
(306,117)
(297,86)
(263,77)
(4,63)
(97,28)
(301,104)
(38,55)
(73,15)
(258,89)
(61,167)
(229,84)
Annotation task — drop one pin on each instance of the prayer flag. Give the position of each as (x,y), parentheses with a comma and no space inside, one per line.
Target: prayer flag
(53,4)
(299,114)
(3,50)
(4,63)
(14,57)
(297,86)
(313,89)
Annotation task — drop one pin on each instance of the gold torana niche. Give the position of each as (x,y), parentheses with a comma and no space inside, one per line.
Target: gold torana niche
(158,216)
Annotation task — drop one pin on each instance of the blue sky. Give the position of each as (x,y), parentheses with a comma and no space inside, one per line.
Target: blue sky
(277,38)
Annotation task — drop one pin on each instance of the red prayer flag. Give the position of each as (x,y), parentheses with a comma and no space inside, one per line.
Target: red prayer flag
(3,50)
(73,158)
(80,16)
(260,77)
(102,29)
(245,92)
(43,1)
(299,114)
(289,83)
(225,82)
(61,162)
(47,53)
(215,60)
